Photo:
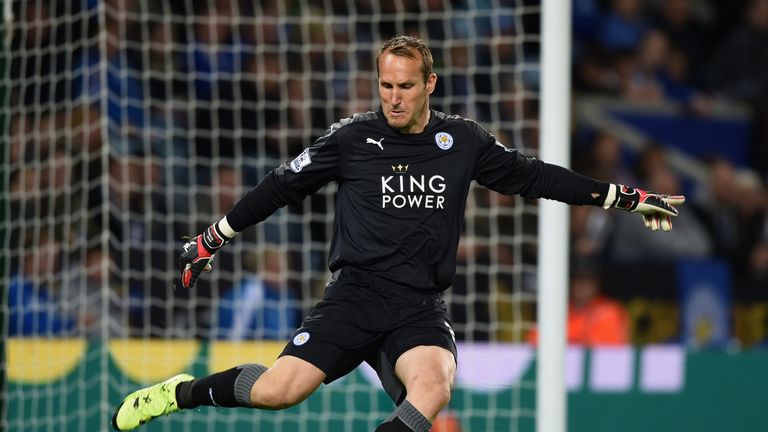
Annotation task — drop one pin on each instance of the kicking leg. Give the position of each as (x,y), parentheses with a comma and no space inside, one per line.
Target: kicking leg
(289,381)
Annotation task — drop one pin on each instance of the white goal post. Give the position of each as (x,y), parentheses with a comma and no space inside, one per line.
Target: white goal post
(554,244)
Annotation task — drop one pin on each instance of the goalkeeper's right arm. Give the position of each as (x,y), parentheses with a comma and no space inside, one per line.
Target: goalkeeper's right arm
(198,252)
(197,255)
(258,204)
(317,164)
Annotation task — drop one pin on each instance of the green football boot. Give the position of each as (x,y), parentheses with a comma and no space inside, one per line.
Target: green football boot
(143,405)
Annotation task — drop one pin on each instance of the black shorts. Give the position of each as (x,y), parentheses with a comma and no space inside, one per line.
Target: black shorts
(362,318)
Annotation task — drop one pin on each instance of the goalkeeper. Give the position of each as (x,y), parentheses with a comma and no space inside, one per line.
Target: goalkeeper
(403,176)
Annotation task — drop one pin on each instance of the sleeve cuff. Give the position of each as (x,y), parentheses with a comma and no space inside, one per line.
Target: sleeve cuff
(610,197)
(225,228)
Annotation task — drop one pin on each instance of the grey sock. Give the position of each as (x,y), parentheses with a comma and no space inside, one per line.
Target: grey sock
(244,382)
(412,418)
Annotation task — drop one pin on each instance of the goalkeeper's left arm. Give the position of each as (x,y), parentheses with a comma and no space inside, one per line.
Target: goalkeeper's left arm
(510,172)
(562,184)
(657,209)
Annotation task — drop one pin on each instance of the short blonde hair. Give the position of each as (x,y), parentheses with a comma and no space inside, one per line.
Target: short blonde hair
(408,46)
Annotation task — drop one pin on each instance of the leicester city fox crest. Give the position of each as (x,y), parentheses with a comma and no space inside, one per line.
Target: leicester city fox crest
(301,338)
(444,140)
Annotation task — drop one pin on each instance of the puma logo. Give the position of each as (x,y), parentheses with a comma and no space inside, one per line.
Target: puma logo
(373,141)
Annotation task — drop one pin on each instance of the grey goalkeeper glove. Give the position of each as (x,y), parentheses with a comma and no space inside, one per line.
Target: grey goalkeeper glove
(198,254)
(657,209)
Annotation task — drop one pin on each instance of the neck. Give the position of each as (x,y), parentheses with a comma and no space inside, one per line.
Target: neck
(422,123)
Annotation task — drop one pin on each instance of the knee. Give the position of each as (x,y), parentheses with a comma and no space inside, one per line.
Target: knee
(442,394)
(436,389)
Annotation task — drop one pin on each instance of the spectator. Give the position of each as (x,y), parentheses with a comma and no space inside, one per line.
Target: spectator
(36,55)
(587,15)
(361,98)
(141,243)
(455,88)
(604,159)
(730,213)
(83,292)
(215,56)
(689,239)
(39,168)
(33,309)
(593,319)
(687,33)
(652,158)
(603,72)
(590,232)
(739,68)
(734,216)
(739,71)
(752,285)
(591,228)
(123,87)
(260,306)
(658,74)
(266,85)
(624,26)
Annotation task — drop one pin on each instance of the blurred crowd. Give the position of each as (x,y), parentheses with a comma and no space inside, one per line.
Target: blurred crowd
(135,122)
(696,54)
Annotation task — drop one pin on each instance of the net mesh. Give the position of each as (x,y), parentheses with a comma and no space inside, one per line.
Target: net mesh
(129,124)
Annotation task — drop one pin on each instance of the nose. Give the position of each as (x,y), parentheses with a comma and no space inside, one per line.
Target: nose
(396,98)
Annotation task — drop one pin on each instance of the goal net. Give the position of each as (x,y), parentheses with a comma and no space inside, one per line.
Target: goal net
(129,124)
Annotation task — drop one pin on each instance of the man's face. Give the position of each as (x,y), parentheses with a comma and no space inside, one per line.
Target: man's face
(404,94)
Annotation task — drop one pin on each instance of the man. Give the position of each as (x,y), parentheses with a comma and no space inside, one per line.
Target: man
(593,318)
(403,175)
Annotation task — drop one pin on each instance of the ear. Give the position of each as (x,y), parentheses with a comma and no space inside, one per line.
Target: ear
(431,83)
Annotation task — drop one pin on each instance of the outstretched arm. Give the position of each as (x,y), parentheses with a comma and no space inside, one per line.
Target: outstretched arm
(561,184)
(509,172)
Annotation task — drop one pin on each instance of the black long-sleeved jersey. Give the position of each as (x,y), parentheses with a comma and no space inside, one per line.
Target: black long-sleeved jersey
(401,197)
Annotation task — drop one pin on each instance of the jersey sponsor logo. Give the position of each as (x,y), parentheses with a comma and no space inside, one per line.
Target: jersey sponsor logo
(301,161)
(374,142)
(412,191)
(301,338)
(444,140)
